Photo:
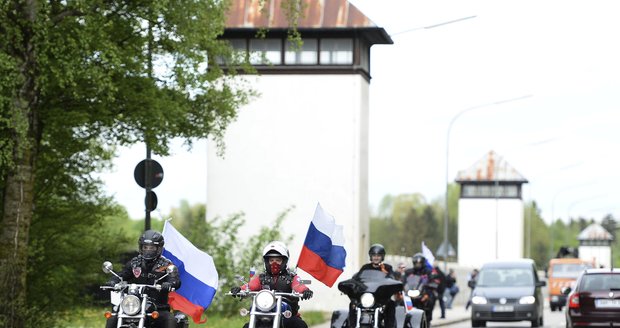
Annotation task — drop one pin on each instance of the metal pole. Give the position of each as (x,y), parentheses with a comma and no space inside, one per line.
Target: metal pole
(147,185)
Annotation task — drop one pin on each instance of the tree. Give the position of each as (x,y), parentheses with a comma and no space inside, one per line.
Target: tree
(404,221)
(81,72)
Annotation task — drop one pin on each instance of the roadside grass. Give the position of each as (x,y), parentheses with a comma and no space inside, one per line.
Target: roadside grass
(93,317)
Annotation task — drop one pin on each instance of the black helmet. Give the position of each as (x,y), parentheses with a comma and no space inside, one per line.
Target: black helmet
(377,249)
(151,238)
(419,262)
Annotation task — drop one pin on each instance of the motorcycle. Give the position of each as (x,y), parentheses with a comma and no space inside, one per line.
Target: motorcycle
(369,292)
(421,292)
(268,308)
(131,304)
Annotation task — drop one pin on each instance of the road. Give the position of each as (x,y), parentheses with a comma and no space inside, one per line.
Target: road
(551,320)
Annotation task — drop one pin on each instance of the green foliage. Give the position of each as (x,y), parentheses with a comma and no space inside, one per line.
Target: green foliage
(73,227)
(407,222)
(402,222)
(539,234)
(76,79)
(232,256)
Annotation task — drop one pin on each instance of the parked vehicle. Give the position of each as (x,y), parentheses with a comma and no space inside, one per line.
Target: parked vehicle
(563,272)
(595,300)
(507,291)
(131,304)
(369,292)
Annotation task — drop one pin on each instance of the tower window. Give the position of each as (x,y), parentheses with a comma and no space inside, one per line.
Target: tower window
(307,55)
(265,51)
(490,191)
(336,51)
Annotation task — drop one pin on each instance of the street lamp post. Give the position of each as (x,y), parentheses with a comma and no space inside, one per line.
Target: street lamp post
(447,209)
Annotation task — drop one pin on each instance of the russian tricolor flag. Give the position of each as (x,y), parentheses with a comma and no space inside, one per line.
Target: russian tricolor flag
(199,279)
(323,254)
(408,302)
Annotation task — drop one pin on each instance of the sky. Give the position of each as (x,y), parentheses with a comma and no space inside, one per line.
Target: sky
(538,82)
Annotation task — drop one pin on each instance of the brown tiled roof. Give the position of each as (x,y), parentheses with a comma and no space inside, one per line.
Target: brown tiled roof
(316,14)
(491,167)
(595,231)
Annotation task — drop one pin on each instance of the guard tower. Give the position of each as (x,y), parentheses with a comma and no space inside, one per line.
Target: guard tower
(305,138)
(490,212)
(595,245)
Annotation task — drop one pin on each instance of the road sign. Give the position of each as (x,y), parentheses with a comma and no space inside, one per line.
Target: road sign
(156,173)
(150,201)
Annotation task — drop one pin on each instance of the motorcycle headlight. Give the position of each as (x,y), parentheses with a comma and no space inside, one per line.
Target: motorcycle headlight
(413,293)
(265,301)
(479,300)
(367,300)
(130,304)
(527,300)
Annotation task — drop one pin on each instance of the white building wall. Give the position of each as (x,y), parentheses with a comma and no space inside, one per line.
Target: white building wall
(599,255)
(303,141)
(482,223)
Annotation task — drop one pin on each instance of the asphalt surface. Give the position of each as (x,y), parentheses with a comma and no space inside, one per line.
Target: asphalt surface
(454,315)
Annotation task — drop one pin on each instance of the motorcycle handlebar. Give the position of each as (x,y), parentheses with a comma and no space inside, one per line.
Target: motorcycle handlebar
(245,293)
(122,285)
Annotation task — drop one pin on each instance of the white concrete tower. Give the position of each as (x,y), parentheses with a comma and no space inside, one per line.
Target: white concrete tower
(305,138)
(490,212)
(595,245)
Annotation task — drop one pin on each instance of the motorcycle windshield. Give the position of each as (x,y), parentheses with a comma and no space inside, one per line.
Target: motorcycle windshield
(370,281)
(413,282)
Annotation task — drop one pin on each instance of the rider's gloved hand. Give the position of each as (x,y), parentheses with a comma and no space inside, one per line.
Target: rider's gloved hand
(307,294)
(235,290)
(166,287)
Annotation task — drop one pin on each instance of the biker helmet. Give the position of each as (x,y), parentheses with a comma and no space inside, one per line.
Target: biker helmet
(275,249)
(419,262)
(376,249)
(151,238)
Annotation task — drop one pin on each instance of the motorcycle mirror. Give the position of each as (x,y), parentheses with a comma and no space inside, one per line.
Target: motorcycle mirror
(172,270)
(413,293)
(107,267)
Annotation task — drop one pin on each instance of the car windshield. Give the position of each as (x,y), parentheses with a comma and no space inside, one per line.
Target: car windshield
(601,281)
(505,277)
(568,270)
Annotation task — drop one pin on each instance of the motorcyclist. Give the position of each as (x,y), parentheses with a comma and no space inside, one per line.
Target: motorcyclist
(278,277)
(376,253)
(422,274)
(146,268)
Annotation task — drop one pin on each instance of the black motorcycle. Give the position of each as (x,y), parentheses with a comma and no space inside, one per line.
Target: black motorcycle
(132,305)
(369,292)
(422,293)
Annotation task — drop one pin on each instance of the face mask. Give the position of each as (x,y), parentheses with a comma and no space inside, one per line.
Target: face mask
(275,268)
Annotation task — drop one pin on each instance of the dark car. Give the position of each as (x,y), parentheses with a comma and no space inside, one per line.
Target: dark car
(507,291)
(595,301)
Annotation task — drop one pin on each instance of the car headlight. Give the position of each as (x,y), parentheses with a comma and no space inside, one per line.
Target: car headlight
(130,304)
(368,300)
(265,301)
(479,300)
(527,300)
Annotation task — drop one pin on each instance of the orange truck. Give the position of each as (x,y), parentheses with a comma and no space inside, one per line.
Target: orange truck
(563,272)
